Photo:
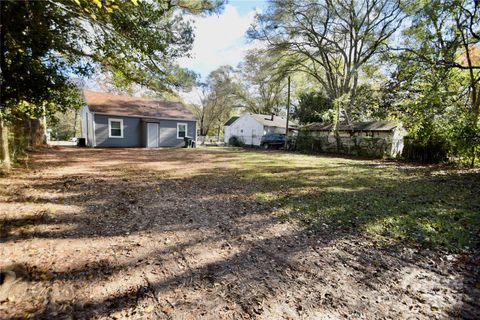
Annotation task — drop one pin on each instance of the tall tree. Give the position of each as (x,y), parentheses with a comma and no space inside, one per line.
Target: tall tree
(43,42)
(217,99)
(312,107)
(440,66)
(329,40)
(262,83)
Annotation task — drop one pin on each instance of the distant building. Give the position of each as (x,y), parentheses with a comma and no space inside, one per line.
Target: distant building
(372,138)
(251,127)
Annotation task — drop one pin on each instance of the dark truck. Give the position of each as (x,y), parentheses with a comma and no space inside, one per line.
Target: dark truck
(272,140)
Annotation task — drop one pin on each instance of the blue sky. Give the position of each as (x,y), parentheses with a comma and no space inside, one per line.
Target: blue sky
(246,6)
(220,39)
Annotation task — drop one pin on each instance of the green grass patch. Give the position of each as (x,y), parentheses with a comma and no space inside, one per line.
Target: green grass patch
(392,202)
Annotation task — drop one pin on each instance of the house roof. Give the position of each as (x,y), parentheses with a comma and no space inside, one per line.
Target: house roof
(230,121)
(266,120)
(135,107)
(358,126)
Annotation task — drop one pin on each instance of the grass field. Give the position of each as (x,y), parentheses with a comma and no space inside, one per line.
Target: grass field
(393,202)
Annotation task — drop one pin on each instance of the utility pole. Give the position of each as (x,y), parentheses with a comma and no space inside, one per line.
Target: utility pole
(288,114)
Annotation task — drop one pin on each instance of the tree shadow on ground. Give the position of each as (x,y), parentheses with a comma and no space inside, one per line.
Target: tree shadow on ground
(213,241)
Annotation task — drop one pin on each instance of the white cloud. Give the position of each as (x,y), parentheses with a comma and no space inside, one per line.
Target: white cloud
(219,40)
(192,96)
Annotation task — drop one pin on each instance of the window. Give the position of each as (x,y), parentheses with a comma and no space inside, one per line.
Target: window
(181,130)
(115,128)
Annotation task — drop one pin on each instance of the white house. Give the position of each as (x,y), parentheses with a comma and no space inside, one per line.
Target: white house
(251,127)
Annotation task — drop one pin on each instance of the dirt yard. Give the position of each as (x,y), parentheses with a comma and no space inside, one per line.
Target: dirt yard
(202,233)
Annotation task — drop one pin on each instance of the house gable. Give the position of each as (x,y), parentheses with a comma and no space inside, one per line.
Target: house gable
(248,129)
(230,121)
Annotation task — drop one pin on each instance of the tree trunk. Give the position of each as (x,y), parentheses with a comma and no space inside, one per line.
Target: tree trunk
(475,130)
(351,101)
(202,133)
(30,134)
(7,164)
(472,163)
(74,125)
(475,104)
(336,125)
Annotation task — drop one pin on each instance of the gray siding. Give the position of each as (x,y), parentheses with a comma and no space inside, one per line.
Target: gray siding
(131,132)
(168,132)
(134,133)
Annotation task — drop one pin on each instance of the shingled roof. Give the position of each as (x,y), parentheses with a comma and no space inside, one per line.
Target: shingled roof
(359,126)
(107,103)
(266,120)
(230,121)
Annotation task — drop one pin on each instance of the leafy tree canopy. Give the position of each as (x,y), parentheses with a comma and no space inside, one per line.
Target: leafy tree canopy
(217,99)
(43,42)
(262,83)
(330,40)
(437,76)
(313,107)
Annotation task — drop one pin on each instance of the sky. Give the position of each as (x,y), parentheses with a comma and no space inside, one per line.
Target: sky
(221,39)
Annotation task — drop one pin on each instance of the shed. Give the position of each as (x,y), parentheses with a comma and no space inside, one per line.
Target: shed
(371,138)
(369,128)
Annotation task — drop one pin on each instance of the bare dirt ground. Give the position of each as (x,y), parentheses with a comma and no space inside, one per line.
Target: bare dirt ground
(173,234)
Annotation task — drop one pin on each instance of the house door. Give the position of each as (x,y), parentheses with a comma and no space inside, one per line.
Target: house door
(152,135)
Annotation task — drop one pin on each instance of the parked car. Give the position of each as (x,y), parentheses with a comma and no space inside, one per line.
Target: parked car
(272,140)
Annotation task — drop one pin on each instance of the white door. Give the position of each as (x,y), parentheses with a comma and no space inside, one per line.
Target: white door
(152,135)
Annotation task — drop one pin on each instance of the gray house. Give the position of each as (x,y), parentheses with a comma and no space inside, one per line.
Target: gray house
(121,121)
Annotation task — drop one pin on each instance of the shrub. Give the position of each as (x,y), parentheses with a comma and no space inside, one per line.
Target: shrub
(431,151)
(235,141)
(307,143)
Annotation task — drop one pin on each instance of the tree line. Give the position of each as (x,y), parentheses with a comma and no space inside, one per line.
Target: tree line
(417,62)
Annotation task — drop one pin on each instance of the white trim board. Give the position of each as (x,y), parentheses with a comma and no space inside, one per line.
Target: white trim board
(110,120)
(186,129)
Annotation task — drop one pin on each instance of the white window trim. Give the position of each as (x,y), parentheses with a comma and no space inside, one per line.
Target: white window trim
(186,129)
(110,128)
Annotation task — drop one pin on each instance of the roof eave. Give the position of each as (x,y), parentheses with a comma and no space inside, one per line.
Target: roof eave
(144,116)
